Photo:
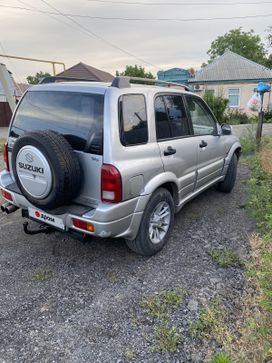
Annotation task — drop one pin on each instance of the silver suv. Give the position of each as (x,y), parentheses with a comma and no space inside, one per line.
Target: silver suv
(113,160)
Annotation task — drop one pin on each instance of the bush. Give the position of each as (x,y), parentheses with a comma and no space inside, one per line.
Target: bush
(237,117)
(217,104)
(268,116)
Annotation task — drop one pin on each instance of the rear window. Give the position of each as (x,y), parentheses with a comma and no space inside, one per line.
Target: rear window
(77,116)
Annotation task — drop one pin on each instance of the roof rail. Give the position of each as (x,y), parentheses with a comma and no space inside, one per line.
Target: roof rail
(53,79)
(124,82)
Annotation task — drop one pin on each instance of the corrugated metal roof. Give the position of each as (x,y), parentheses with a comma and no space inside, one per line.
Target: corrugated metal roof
(232,67)
(85,71)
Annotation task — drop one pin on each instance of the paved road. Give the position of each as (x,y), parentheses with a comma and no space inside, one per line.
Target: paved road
(64,301)
(238,130)
(243,130)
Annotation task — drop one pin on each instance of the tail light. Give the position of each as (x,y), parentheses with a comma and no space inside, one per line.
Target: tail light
(79,223)
(111,184)
(6,195)
(5,156)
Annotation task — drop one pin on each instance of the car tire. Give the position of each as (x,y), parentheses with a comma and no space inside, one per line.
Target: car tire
(52,150)
(228,183)
(152,236)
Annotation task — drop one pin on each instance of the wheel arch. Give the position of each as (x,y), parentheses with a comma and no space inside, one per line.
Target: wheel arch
(235,149)
(167,181)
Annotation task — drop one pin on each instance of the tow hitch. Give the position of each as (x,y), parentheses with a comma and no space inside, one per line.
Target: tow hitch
(43,228)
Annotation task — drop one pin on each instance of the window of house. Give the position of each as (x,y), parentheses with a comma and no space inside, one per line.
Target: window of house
(234,97)
(133,119)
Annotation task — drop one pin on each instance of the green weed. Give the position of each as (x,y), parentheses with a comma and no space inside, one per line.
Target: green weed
(226,257)
(210,324)
(166,338)
(157,306)
(129,355)
(112,277)
(42,275)
(221,358)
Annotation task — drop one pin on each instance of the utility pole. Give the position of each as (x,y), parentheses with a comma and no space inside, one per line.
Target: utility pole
(261,89)
(7,83)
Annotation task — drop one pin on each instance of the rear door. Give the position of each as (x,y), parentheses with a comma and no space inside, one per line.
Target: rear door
(178,152)
(210,146)
(78,117)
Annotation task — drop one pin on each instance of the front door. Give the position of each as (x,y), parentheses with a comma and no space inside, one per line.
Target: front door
(178,152)
(211,148)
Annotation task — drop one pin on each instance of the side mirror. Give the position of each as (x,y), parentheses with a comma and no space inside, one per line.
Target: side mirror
(226,129)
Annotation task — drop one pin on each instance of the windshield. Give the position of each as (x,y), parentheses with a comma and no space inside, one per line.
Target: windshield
(77,116)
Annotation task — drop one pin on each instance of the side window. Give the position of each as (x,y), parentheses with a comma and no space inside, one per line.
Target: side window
(171,120)
(133,120)
(162,123)
(202,120)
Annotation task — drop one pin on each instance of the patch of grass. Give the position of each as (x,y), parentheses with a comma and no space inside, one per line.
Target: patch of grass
(2,141)
(42,275)
(259,189)
(226,257)
(157,306)
(221,358)
(167,338)
(248,141)
(255,322)
(129,355)
(112,277)
(211,324)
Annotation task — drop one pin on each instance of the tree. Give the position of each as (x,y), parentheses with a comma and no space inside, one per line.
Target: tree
(246,44)
(135,71)
(218,105)
(38,77)
(269,39)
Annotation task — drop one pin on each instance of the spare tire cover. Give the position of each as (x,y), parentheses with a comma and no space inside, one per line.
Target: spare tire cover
(46,168)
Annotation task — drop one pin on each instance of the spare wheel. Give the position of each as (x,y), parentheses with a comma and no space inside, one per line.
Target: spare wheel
(46,168)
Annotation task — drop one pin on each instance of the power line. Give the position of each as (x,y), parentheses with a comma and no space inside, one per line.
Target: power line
(92,34)
(51,15)
(71,17)
(179,4)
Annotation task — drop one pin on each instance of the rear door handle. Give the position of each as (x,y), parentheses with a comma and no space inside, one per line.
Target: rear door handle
(203,144)
(169,151)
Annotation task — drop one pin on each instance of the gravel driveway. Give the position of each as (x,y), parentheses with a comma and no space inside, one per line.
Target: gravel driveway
(64,301)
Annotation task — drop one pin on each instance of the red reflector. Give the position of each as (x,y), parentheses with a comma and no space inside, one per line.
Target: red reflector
(111,184)
(78,223)
(5,156)
(6,195)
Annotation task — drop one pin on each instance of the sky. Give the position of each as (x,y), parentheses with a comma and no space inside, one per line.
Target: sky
(111,44)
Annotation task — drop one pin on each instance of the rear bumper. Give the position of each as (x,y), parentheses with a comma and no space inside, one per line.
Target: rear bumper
(108,220)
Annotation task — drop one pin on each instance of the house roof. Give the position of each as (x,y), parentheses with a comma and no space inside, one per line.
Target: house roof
(232,67)
(84,71)
(20,88)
